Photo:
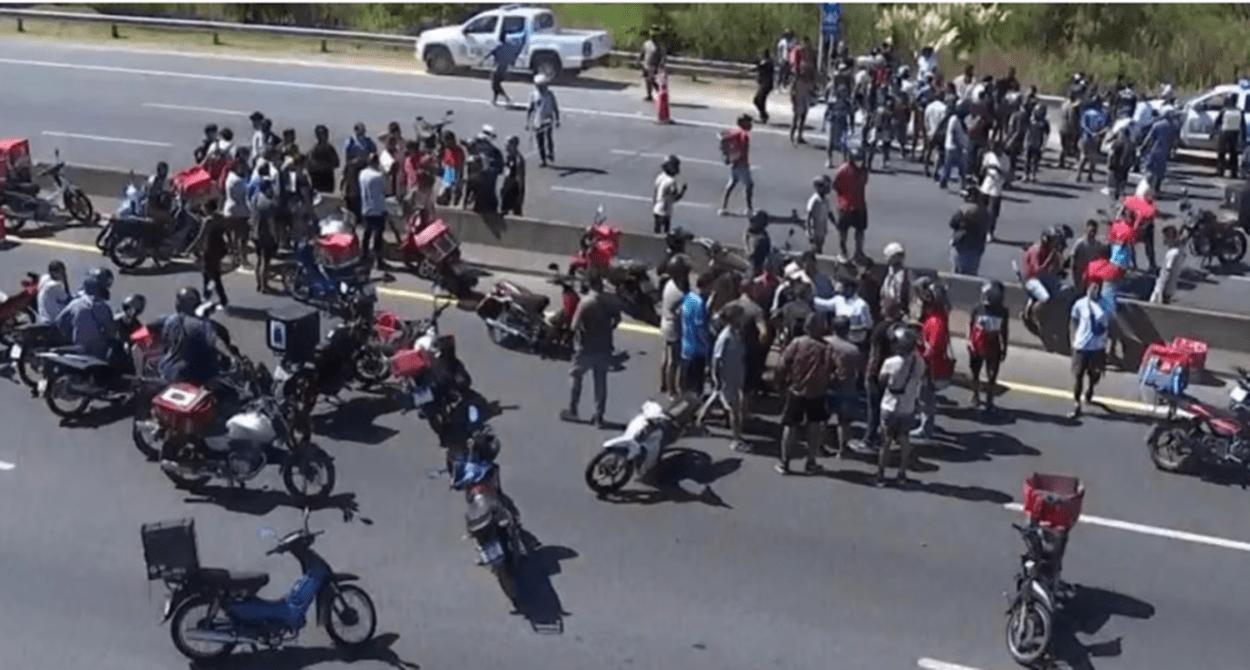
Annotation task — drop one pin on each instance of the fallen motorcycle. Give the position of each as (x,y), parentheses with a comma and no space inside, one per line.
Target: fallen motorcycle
(23,201)
(220,608)
(516,316)
(1210,436)
(18,310)
(635,452)
(432,252)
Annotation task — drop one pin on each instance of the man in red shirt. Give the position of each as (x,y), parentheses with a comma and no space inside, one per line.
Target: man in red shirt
(850,182)
(935,340)
(1043,267)
(736,147)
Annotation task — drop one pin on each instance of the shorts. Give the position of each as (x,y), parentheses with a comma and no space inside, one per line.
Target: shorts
(841,406)
(852,219)
(896,425)
(1042,287)
(1088,362)
(991,362)
(693,372)
(799,411)
(1033,154)
(663,223)
(740,174)
(1090,150)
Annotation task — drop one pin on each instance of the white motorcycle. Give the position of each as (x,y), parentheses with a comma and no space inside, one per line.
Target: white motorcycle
(635,452)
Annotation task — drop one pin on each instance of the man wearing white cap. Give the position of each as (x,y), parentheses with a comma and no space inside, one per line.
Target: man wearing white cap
(542,117)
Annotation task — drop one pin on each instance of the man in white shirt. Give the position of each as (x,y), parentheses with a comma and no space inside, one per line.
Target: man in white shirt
(901,376)
(1088,329)
(927,63)
(667,194)
(1170,273)
(956,143)
(258,135)
(992,184)
(53,295)
(818,215)
(236,209)
(965,82)
(849,305)
(543,117)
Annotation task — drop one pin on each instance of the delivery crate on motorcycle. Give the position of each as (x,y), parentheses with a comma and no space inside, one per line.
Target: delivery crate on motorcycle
(14,154)
(184,409)
(338,251)
(1053,501)
(195,184)
(435,241)
(169,548)
(410,363)
(1167,367)
(294,331)
(386,324)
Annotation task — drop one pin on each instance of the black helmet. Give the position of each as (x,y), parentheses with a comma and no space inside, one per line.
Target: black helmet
(903,339)
(1053,234)
(98,282)
(857,155)
(187,300)
(134,304)
(759,220)
(992,292)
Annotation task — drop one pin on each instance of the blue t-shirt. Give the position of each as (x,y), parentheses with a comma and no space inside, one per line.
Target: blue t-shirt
(190,350)
(1091,320)
(1093,120)
(1122,254)
(694,334)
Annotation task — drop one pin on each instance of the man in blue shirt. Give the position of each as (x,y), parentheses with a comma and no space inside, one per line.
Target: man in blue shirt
(87,320)
(505,54)
(1088,329)
(373,207)
(1158,146)
(696,341)
(1093,125)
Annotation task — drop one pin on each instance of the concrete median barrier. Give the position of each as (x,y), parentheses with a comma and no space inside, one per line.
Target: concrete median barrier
(1138,323)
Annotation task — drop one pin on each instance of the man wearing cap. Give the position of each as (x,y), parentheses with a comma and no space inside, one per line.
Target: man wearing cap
(651,59)
(818,215)
(542,117)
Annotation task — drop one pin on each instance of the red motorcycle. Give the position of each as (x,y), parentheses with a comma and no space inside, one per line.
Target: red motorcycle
(597,247)
(515,315)
(630,279)
(1209,436)
(18,310)
(432,252)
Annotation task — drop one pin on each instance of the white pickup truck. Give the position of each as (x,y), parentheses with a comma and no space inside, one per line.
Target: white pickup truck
(545,48)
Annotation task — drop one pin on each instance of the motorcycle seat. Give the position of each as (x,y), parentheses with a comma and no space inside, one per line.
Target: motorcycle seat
(22,187)
(629,265)
(250,582)
(480,512)
(530,301)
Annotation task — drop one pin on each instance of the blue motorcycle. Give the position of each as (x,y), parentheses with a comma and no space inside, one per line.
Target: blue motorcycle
(211,611)
(308,281)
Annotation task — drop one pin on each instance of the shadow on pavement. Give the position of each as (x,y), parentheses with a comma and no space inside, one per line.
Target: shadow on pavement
(974,446)
(297,658)
(1086,613)
(537,599)
(353,420)
(678,465)
(100,416)
(259,502)
(525,81)
(966,493)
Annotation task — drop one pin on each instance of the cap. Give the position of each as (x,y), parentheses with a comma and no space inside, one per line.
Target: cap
(893,249)
(541,80)
(487,131)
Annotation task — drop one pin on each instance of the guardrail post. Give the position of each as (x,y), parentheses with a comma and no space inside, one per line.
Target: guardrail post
(115,35)
(21,27)
(216,39)
(325,48)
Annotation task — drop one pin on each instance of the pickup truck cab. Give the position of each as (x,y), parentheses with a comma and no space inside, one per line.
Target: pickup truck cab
(545,48)
(1199,114)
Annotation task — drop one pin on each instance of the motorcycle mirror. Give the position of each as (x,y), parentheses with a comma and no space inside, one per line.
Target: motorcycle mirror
(474,415)
(307,513)
(553,267)
(267,533)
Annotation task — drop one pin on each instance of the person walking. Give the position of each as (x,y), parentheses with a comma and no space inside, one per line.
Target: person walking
(802,91)
(263,209)
(651,58)
(1120,162)
(512,195)
(819,217)
(765,72)
(695,337)
(504,55)
(543,117)
(373,208)
(593,325)
(215,250)
(900,378)
(1231,125)
(736,148)
(728,367)
(987,341)
(850,183)
(671,300)
(1088,330)
(807,368)
(969,232)
(667,194)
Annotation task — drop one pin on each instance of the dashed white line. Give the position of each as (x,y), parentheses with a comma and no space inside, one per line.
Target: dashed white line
(622,196)
(684,159)
(1155,531)
(5,466)
(931,664)
(101,138)
(189,108)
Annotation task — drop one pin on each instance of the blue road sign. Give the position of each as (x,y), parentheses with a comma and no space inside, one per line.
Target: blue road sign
(830,18)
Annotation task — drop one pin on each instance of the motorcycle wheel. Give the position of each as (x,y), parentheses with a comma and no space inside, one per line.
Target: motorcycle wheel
(79,206)
(22,317)
(144,431)
(199,621)
(102,241)
(1200,246)
(292,286)
(507,579)
(173,464)
(615,464)
(1028,632)
(28,369)
(1234,247)
(371,366)
(344,612)
(309,474)
(63,400)
(1169,452)
(128,253)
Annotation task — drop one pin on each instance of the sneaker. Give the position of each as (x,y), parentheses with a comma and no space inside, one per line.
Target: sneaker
(597,421)
(722,212)
(740,446)
(782,469)
(812,468)
(1075,413)
(569,416)
(748,212)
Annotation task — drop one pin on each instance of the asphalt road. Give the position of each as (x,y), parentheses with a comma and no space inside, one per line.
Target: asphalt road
(130,109)
(727,566)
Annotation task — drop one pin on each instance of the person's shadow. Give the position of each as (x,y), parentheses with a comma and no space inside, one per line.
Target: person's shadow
(537,599)
(1085,614)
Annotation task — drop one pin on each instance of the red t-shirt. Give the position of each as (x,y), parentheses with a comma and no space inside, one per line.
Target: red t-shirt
(1035,258)
(935,332)
(453,157)
(849,183)
(738,145)
(986,329)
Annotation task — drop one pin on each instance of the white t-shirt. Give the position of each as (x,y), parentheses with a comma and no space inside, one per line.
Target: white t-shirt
(854,308)
(933,115)
(956,135)
(992,185)
(817,217)
(901,383)
(665,194)
(236,196)
(924,65)
(1091,320)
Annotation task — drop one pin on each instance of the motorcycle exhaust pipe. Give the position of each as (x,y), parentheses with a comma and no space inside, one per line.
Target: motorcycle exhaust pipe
(217,636)
(509,329)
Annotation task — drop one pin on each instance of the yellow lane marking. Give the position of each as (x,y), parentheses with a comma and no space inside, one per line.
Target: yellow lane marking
(643,329)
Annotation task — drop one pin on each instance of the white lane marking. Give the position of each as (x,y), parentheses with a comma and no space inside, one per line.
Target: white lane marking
(1143,529)
(6,466)
(189,108)
(622,196)
(101,138)
(684,159)
(1237,277)
(931,664)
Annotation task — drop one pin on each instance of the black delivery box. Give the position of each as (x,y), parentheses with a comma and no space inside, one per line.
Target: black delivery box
(293,331)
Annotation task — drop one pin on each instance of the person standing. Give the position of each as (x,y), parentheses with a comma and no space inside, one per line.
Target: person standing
(1158,147)
(263,208)
(695,344)
(323,160)
(850,363)
(935,349)
(1119,163)
(936,116)
(784,46)
(819,217)
(806,370)
(373,208)
(651,58)
(593,325)
(1085,250)
(765,72)
(356,152)
(512,195)
(671,299)
(258,143)
(896,285)
(995,176)
(1036,135)
(1173,263)
(900,378)
(803,90)
(215,249)
(667,194)
(504,54)
(880,347)
(956,144)
(969,231)
(728,368)
(850,183)
(1093,126)
(736,148)
(1088,330)
(237,210)
(1231,125)
(543,117)
(839,119)
(987,341)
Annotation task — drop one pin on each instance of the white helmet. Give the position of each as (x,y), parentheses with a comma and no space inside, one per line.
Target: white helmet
(541,80)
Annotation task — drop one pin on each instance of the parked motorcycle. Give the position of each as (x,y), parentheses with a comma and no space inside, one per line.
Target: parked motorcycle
(634,453)
(133,207)
(432,252)
(220,608)
(1210,237)
(1209,436)
(432,377)
(1036,599)
(629,278)
(18,310)
(74,380)
(311,282)
(135,240)
(23,206)
(516,316)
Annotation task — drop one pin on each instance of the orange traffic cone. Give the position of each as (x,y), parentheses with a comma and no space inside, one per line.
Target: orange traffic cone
(661,100)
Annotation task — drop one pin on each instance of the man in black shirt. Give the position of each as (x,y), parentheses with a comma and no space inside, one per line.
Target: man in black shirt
(880,347)
(764,73)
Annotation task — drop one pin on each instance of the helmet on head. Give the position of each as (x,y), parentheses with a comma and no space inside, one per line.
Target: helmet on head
(903,339)
(759,220)
(821,181)
(1052,234)
(98,282)
(992,292)
(541,80)
(187,300)
(857,155)
(892,249)
(134,304)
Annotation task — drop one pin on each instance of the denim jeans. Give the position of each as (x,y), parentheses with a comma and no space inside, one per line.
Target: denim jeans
(954,160)
(965,262)
(873,392)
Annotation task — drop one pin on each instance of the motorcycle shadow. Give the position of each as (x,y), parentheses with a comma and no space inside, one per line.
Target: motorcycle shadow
(1086,613)
(259,502)
(537,599)
(380,649)
(173,267)
(677,466)
(353,420)
(100,416)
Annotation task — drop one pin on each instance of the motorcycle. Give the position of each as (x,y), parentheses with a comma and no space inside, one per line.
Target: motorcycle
(1038,596)
(133,207)
(181,425)
(1210,237)
(16,311)
(221,607)
(635,452)
(514,314)
(629,278)
(433,379)
(346,356)
(1210,436)
(135,240)
(432,252)
(311,281)
(73,379)
(25,204)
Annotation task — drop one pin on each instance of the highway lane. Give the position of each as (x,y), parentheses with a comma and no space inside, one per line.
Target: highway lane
(146,108)
(742,569)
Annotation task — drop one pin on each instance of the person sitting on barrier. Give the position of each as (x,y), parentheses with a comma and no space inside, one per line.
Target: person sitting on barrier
(53,292)
(1041,272)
